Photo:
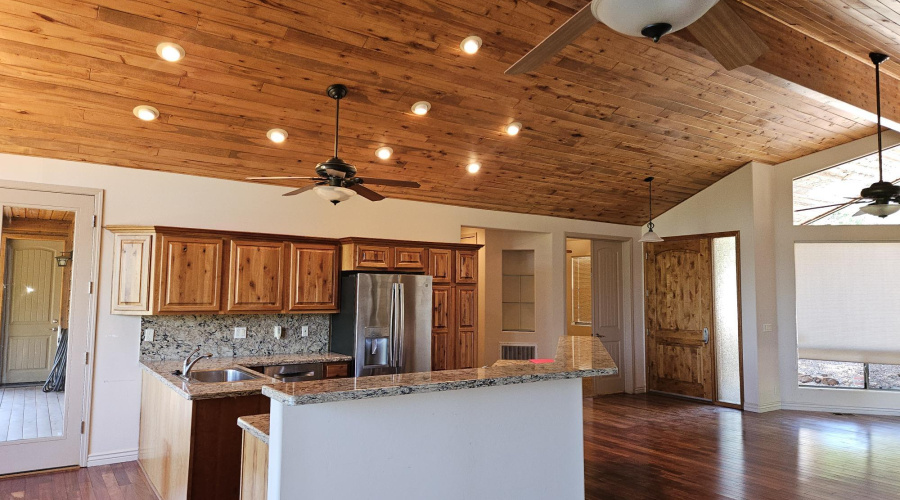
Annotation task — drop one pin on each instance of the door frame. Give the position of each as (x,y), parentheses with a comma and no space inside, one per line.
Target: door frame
(91,333)
(713,332)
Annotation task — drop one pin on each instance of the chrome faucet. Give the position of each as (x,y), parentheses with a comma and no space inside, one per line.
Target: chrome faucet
(188,364)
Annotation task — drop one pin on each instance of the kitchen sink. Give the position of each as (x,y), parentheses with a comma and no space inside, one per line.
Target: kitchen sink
(226,375)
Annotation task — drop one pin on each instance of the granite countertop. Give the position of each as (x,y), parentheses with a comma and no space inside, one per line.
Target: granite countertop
(576,357)
(162,370)
(257,425)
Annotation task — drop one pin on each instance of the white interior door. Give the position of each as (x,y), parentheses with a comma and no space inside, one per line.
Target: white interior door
(608,315)
(33,288)
(66,448)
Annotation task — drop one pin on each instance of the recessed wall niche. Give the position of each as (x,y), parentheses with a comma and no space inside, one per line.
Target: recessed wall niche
(518,290)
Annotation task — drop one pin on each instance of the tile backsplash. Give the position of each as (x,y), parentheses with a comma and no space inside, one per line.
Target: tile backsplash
(176,336)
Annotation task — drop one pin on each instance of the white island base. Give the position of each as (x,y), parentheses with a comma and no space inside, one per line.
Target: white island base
(520,441)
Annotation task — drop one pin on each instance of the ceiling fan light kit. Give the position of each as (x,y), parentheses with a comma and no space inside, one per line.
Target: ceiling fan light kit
(334,194)
(650,18)
(881,193)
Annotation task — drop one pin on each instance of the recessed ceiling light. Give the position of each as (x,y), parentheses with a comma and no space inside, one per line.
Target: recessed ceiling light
(470,44)
(473,167)
(146,113)
(513,128)
(277,135)
(384,152)
(169,51)
(422,107)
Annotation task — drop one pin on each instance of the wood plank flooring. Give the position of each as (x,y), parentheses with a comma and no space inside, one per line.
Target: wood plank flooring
(28,413)
(123,481)
(643,447)
(650,447)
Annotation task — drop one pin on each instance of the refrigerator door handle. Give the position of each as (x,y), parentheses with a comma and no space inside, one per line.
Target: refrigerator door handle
(392,327)
(401,326)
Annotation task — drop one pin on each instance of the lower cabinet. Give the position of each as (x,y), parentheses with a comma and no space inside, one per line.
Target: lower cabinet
(192,449)
(454,326)
(254,468)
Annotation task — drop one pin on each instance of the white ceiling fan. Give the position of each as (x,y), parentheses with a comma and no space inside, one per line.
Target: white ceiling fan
(713,23)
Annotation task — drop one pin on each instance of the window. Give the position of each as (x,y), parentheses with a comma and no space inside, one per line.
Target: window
(518,291)
(835,184)
(848,322)
(581,290)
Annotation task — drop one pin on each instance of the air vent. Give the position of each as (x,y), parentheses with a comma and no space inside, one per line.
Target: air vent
(517,351)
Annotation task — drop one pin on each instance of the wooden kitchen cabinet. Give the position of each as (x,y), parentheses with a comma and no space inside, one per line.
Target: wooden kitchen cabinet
(442,352)
(166,270)
(314,278)
(467,266)
(409,259)
(190,277)
(440,265)
(338,369)
(256,276)
(373,257)
(466,325)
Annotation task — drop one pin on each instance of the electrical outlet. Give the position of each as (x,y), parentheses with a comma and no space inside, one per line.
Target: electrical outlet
(277,331)
(148,335)
(768,328)
(240,332)
(304,331)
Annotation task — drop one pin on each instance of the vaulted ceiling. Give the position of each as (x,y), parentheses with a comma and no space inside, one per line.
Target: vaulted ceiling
(607,112)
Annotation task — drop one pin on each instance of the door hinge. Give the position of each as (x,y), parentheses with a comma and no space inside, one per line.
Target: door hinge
(87,357)
(95,221)
(91,287)
(648,332)
(82,426)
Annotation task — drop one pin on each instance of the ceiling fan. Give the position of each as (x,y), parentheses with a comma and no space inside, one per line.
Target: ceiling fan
(882,198)
(713,23)
(337,180)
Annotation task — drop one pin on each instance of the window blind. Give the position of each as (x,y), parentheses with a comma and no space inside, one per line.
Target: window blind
(848,301)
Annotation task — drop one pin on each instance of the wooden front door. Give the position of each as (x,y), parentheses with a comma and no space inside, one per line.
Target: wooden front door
(33,314)
(679,320)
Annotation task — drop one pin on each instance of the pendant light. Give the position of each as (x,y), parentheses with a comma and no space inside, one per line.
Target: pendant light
(650,236)
(881,192)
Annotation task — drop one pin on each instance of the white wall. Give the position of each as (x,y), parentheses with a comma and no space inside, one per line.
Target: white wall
(741,202)
(786,234)
(153,198)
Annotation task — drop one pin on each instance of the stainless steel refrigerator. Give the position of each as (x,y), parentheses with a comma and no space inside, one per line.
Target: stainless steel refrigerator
(384,323)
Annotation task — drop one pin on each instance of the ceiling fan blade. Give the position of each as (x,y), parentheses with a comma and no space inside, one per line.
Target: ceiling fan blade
(301,190)
(281,178)
(858,213)
(366,192)
(846,203)
(727,37)
(558,40)
(390,182)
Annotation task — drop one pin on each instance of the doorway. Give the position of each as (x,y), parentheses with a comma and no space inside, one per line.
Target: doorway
(48,265)
(595,304)
(692,309)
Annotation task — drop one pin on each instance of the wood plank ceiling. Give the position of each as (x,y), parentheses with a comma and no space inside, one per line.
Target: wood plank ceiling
(608,112)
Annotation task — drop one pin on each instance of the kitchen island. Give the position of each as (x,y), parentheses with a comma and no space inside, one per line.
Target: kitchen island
(427,435)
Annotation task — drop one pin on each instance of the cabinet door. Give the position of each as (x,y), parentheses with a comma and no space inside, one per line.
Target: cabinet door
(314,278)
(439,264)
(373,256)
(442,328)
(336,370)
(467,325)
(131,273)
(190,278)
(409,259)
(256,276)
(466,266)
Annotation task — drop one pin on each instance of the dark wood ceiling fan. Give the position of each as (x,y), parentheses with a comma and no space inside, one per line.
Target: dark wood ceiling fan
(337,180)
(713,23)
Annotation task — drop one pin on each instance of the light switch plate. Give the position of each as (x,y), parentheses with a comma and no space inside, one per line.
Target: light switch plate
(148,335)
(304,331)
(240,332)
(767,328)
(277,331)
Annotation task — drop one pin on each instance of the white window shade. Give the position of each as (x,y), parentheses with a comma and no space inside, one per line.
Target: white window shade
(848,301)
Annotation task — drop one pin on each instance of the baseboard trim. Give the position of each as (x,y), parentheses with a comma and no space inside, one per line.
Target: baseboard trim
(862,410)
(113,457)
(755,408)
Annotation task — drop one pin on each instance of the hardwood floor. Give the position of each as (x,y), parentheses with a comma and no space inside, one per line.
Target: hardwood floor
(107,482)
(28,412)
(639,447)
(649,447)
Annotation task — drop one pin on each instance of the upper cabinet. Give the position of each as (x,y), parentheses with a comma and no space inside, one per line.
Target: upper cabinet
(256,276)
(183,271)
(190,278)
(440,261)
(467,266)
(314,276)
